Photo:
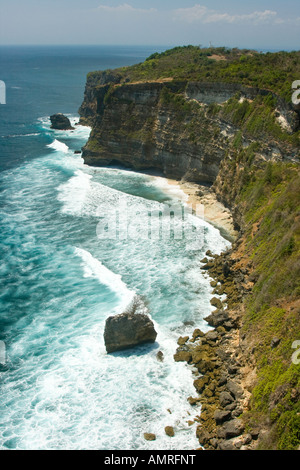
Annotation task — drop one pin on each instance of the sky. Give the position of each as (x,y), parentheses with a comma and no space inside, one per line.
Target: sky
(256,24)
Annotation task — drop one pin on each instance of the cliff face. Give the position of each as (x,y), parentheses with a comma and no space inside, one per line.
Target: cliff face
(166,126)
(134,127)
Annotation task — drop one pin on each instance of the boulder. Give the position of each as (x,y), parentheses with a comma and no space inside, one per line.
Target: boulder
(222,415)
(169,430)
(182,340)
(215,302)
(60,122)
(231,429)
(160,356)
(182,355)
(127,330)
(201,383)
(149,436)
(235,389)
(225,398)
(217,318)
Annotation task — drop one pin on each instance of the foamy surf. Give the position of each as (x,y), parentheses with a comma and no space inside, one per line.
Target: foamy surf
(58,146)
(63,390)
(82,196)
(92,267)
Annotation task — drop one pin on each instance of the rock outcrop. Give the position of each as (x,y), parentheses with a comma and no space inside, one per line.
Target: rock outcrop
(60,122)
(167,126)
(130,328)
(134,125)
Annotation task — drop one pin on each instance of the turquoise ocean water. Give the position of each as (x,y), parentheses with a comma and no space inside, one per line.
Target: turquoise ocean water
(60,281)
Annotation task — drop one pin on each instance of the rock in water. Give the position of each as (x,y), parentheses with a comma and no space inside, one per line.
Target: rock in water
(127,330)
(60,122)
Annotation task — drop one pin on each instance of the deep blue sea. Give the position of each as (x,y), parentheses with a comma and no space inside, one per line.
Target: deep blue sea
(60,279)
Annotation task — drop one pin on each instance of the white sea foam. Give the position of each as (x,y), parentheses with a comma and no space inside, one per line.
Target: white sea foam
(65,392)
(172,190)
(94,268)
(20,135)
(82,196)
(59,146)
(74,193)
(79,131)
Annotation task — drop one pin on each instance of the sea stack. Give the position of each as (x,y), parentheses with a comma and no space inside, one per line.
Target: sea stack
(128,330)
(61,122)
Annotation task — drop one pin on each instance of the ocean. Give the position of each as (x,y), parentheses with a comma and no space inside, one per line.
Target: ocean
(60,279)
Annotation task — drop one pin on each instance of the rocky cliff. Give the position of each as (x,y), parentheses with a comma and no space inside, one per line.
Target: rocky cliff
(136,127)
(168,126)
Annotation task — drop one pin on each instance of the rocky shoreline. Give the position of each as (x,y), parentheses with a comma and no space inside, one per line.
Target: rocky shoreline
(223,375)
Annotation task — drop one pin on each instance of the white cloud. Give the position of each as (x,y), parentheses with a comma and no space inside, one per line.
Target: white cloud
(200,13)
(124,8)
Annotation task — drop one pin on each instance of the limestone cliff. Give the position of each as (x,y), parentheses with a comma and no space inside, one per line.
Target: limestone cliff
(169,126)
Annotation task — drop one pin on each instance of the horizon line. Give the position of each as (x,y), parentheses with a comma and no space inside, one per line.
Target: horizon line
(258,49)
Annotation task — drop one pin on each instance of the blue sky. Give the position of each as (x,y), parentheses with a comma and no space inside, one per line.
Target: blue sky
(264,24)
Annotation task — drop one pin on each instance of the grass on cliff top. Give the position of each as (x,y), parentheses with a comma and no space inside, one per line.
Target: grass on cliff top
(272,205)
(271,71)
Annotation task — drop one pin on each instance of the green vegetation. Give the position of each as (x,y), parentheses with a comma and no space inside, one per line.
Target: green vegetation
(270,71)
(257,118)
(177,103)
(268,196)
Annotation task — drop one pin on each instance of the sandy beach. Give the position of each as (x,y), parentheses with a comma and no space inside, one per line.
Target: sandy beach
(214,212)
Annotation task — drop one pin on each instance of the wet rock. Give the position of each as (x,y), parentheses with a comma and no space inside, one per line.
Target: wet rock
(169,430)
(182,355)
(149,436)
(128,330)
(201,383)
(197,334)
(182,340)
(194,401)
(160,356)
(60,122)
(209,253)
(215,302)
(203,436)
